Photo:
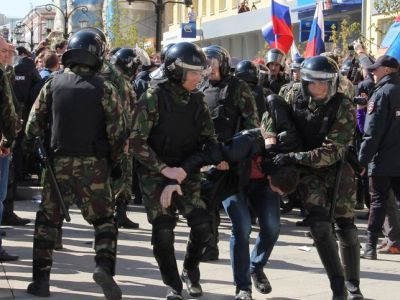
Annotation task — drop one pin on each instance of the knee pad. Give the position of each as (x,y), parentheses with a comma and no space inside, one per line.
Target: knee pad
(321,230)
(347,232)
(163,232)
(200,233)
(198,216)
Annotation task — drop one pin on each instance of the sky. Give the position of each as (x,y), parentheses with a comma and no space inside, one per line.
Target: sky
(19,8)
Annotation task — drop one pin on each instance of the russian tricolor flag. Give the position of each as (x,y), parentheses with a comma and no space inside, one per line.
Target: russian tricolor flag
(392,40)
(278,33)
(315,44)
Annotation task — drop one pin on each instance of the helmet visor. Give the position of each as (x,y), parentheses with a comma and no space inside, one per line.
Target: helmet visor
(311,75)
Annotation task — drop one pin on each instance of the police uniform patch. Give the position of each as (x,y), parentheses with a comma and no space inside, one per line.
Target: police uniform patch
(371,107)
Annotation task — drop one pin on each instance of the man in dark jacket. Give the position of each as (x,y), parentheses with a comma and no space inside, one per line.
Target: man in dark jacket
(380,145)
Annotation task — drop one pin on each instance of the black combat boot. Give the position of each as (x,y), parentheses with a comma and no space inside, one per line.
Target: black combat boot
(349,247)
(123,220)
(40,286)
(327,248)
(102,276)
(369,251)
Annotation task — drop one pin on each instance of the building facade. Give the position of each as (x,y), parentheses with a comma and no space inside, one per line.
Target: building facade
(219,22)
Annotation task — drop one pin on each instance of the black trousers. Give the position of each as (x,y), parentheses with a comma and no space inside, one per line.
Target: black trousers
(381,188)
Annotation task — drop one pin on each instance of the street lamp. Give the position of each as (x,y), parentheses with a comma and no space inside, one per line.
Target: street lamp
(159,6)
(65,13)
(19,27)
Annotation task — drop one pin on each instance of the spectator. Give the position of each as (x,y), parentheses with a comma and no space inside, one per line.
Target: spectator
(243,7)
(8,122)
(50,63)
(39,63)
(61,47)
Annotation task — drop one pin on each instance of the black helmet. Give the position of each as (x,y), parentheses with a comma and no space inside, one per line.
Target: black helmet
(223,57)
(127,60)
(183,57)
(319,68)
(247,71)
(84,48)
(99,32)
(164,51)
(296,63)
(275,55)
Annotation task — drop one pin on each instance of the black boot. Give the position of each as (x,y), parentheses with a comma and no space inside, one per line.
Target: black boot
(40,286)
(192,280)
(369,251)
(327,248)
(123,220)
(261,282)
(349,247)
(102,276)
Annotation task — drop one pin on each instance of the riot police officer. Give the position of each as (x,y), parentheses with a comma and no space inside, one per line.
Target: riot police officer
(248,72)
(325,120)
(233,108)
(294,78)
(276,78)
(170,122)
(126,63)
(82,147)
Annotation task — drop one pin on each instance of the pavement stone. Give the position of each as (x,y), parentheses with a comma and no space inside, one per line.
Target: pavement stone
(294,269)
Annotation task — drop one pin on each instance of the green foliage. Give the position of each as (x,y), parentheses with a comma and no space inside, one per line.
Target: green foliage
(122,33)
(390,8)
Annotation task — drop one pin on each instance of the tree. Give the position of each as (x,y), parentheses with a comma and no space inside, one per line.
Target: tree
(122,33)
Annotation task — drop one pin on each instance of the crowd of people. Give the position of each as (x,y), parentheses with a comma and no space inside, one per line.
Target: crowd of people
(187,133)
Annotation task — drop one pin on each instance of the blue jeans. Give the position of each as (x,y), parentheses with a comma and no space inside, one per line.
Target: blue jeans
(266,206)
(4,168)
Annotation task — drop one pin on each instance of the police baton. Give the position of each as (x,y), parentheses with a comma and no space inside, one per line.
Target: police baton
(53,181)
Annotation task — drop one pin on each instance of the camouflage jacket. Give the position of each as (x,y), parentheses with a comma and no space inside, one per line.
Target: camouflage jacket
(115,124)
(146,117)
(9,121)
(124,88)
(336,141)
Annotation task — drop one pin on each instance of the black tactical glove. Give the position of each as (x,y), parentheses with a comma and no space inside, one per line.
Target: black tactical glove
(282,159)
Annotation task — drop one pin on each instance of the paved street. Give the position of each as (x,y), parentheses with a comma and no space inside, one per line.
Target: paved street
(294,269)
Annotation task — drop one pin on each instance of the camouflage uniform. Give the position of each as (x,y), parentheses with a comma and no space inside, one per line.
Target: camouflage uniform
(83,180)
(318,170)
(9,117)
(150,111)
(122,186)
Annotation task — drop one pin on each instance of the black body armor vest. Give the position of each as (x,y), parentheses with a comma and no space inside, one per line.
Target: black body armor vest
(177,134)
(79,127)
(314,126)
(220,101)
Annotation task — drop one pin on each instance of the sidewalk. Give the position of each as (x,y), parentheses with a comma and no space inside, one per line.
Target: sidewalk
(293,273)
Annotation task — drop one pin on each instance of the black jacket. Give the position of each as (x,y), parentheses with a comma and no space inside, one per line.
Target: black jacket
(141,83)
(380,147)
(26,76)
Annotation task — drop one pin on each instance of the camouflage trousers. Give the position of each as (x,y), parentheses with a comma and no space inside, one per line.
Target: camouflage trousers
(316,190)
(85,182)
(152,184)
(122,187)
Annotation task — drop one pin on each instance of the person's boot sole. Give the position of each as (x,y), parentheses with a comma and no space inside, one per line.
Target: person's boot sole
(110,288)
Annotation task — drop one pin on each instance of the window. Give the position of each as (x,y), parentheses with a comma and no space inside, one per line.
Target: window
(212,7)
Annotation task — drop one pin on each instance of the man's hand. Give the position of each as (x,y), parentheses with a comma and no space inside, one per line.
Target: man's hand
(284,159)
(223,166)
(166,195)
(177,174)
